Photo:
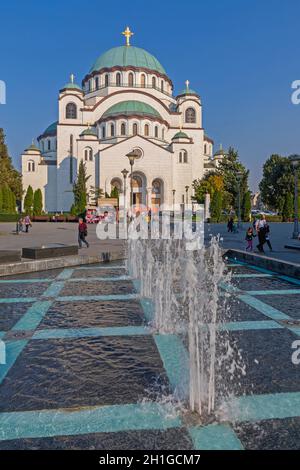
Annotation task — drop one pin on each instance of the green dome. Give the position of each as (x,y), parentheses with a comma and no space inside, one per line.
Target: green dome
(180,135)
(90,131)
(188,91)
(125,56)
(33,147)
(72,86)
(131,107)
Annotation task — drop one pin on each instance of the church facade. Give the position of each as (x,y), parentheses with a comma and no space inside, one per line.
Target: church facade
(125,103)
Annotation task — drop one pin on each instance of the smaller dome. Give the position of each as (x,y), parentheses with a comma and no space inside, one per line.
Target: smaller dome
(71,85)
(221,152)
(33,147)
(188,90)
(89,131)
(128,108)
(180,135)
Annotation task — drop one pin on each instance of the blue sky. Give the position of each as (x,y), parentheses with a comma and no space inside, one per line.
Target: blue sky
(240,55)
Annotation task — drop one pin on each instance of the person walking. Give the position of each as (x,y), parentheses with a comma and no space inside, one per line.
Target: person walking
(268,241)
(230,225)
(249,239)
(82,233)
(261,230)
(27,223)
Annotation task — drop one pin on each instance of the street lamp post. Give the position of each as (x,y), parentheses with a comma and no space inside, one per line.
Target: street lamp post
(186,194)
(173,193)
(131,157)
(295,161)
(124,173)
(239,177)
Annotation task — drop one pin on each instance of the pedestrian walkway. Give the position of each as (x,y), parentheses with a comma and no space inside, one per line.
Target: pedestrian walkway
(83,370)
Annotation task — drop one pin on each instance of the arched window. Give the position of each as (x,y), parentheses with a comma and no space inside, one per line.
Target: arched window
(43,146)
(143,80)
(88,154)
(156,131)
(71,111)
(162,86)
(190,115)
(205,149)
(31,165)
(97,83)
(106,79)
(163,134)
(103,132)
(130,79)
(146,131)
(183,156)
(153,82)
(112,130)
(134,129)
(123,128)
(49,144)
(118,79)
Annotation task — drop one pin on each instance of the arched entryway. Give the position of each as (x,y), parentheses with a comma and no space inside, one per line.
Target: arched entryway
(157,197)
(139,189)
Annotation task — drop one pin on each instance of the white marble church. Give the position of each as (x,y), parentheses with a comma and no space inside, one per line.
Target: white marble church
(125,103)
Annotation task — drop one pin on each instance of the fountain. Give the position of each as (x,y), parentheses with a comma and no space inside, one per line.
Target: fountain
(184,288)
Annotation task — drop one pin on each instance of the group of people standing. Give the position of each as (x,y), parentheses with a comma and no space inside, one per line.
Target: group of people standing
(23,224)
(261,229)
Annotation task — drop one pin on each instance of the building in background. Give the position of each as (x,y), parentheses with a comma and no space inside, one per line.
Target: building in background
(126,102)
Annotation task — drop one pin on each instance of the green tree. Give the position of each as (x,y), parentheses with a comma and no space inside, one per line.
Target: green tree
(96,193)
(246,206)
(37,202)
(216,206)
(8,174)
(277,182)
(1,199)
(6,200)
(80,190)
(28,201)
(288,207)
(114,192)
(229,168)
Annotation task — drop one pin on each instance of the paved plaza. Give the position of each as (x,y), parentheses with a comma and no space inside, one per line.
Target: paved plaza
(48,232)
(84,370)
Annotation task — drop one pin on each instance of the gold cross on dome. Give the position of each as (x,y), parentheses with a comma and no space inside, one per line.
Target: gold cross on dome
(72,78)
(127,33)
(187,84)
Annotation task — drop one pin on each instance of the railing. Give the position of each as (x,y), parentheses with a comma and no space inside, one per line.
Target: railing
(116,85)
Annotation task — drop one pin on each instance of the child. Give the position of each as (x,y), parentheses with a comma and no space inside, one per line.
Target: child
(249,238)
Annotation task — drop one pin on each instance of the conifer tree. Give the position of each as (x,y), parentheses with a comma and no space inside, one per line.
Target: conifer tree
(8,174)
(80,191)
(28,201)
(37,202)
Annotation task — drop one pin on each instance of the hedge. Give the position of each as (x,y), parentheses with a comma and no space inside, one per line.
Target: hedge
(9,217)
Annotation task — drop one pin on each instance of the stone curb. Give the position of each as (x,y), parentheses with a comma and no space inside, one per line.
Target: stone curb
(272,264)
(21,267)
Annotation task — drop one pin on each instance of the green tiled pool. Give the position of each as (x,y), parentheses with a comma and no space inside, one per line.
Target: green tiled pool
(84,371)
